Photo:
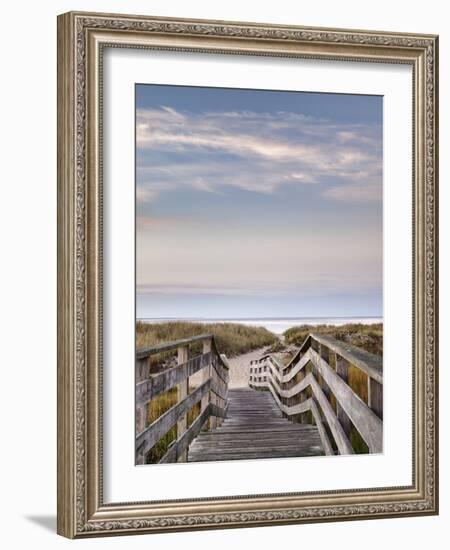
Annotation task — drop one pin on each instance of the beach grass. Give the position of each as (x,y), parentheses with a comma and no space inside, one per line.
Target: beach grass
(368,337)
(231,338)
(158,407)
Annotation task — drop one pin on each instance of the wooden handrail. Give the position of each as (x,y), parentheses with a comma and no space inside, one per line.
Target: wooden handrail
(155,431)
(211,371)
(341,439)
(143,353)
(148,389)
(289,385)
(367,362)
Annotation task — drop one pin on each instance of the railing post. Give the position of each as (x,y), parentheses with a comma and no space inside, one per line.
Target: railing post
(142,373)
(213,398)
(342,371)
(182,392)
(324,353)
(207,347)
(224,399)
(375,393)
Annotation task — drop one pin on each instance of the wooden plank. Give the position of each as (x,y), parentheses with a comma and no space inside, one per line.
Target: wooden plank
(206,373)
(258,454)
(294,390)
(293,439)
(342,366)
(221,371)
(181,445)
(169,378)
(375,392)
(182,393)
(254,428)
(298,355)
(142,369)
(339,435)
(215,410)
(369,363)
(363,418)
(218,387)
(285,428)
(223,363)
(168,346)
(268,450)
(295,369)
(321,428)
(153,433)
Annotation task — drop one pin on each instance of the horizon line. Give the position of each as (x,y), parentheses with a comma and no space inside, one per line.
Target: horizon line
(262,318)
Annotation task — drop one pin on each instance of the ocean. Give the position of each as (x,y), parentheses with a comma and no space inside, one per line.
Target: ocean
(279,325)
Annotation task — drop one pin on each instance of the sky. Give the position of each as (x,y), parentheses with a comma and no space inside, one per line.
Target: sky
(257,203)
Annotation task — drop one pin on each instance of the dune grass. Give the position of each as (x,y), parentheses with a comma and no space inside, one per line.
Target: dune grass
(231,338)
(368,337)
(155,409)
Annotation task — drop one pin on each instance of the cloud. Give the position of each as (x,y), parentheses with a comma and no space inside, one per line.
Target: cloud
(255,152)
(225,259)
(261,290)
(303,177)
(146,195)
(355,192)
(155,222)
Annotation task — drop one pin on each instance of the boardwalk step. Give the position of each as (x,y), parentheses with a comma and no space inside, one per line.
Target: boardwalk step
(255,428)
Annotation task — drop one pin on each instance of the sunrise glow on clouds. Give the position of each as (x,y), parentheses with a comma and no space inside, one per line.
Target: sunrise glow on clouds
(254,203)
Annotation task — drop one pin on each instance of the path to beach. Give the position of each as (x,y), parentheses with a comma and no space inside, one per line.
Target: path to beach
(240,367)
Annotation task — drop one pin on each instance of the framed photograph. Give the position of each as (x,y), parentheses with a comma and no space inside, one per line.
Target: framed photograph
(247,274)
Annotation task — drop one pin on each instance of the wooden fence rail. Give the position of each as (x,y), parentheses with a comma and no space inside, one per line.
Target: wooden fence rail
(334,385)
(209,373)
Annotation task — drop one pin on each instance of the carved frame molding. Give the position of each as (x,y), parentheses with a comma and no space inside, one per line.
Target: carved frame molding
(81,39)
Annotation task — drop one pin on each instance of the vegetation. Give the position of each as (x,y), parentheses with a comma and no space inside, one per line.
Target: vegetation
(277,347)
(155,409)
(368,337)
(231,338)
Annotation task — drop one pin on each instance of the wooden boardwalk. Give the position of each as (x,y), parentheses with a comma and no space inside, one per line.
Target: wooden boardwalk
(255,428)
(307,407)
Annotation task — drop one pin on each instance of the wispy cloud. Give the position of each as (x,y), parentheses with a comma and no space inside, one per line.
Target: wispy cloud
(156,222)
(144,194)
(257,152)
(355,192)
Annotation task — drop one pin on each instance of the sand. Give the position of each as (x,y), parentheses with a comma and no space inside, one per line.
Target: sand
(240,367)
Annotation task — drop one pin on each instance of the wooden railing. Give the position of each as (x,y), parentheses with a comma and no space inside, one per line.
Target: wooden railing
(209,372)
(334,385)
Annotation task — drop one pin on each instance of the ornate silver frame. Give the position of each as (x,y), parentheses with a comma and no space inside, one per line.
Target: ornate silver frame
(81,38)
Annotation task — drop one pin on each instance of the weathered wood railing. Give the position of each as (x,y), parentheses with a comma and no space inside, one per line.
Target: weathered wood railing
(334,385)
(207,370)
